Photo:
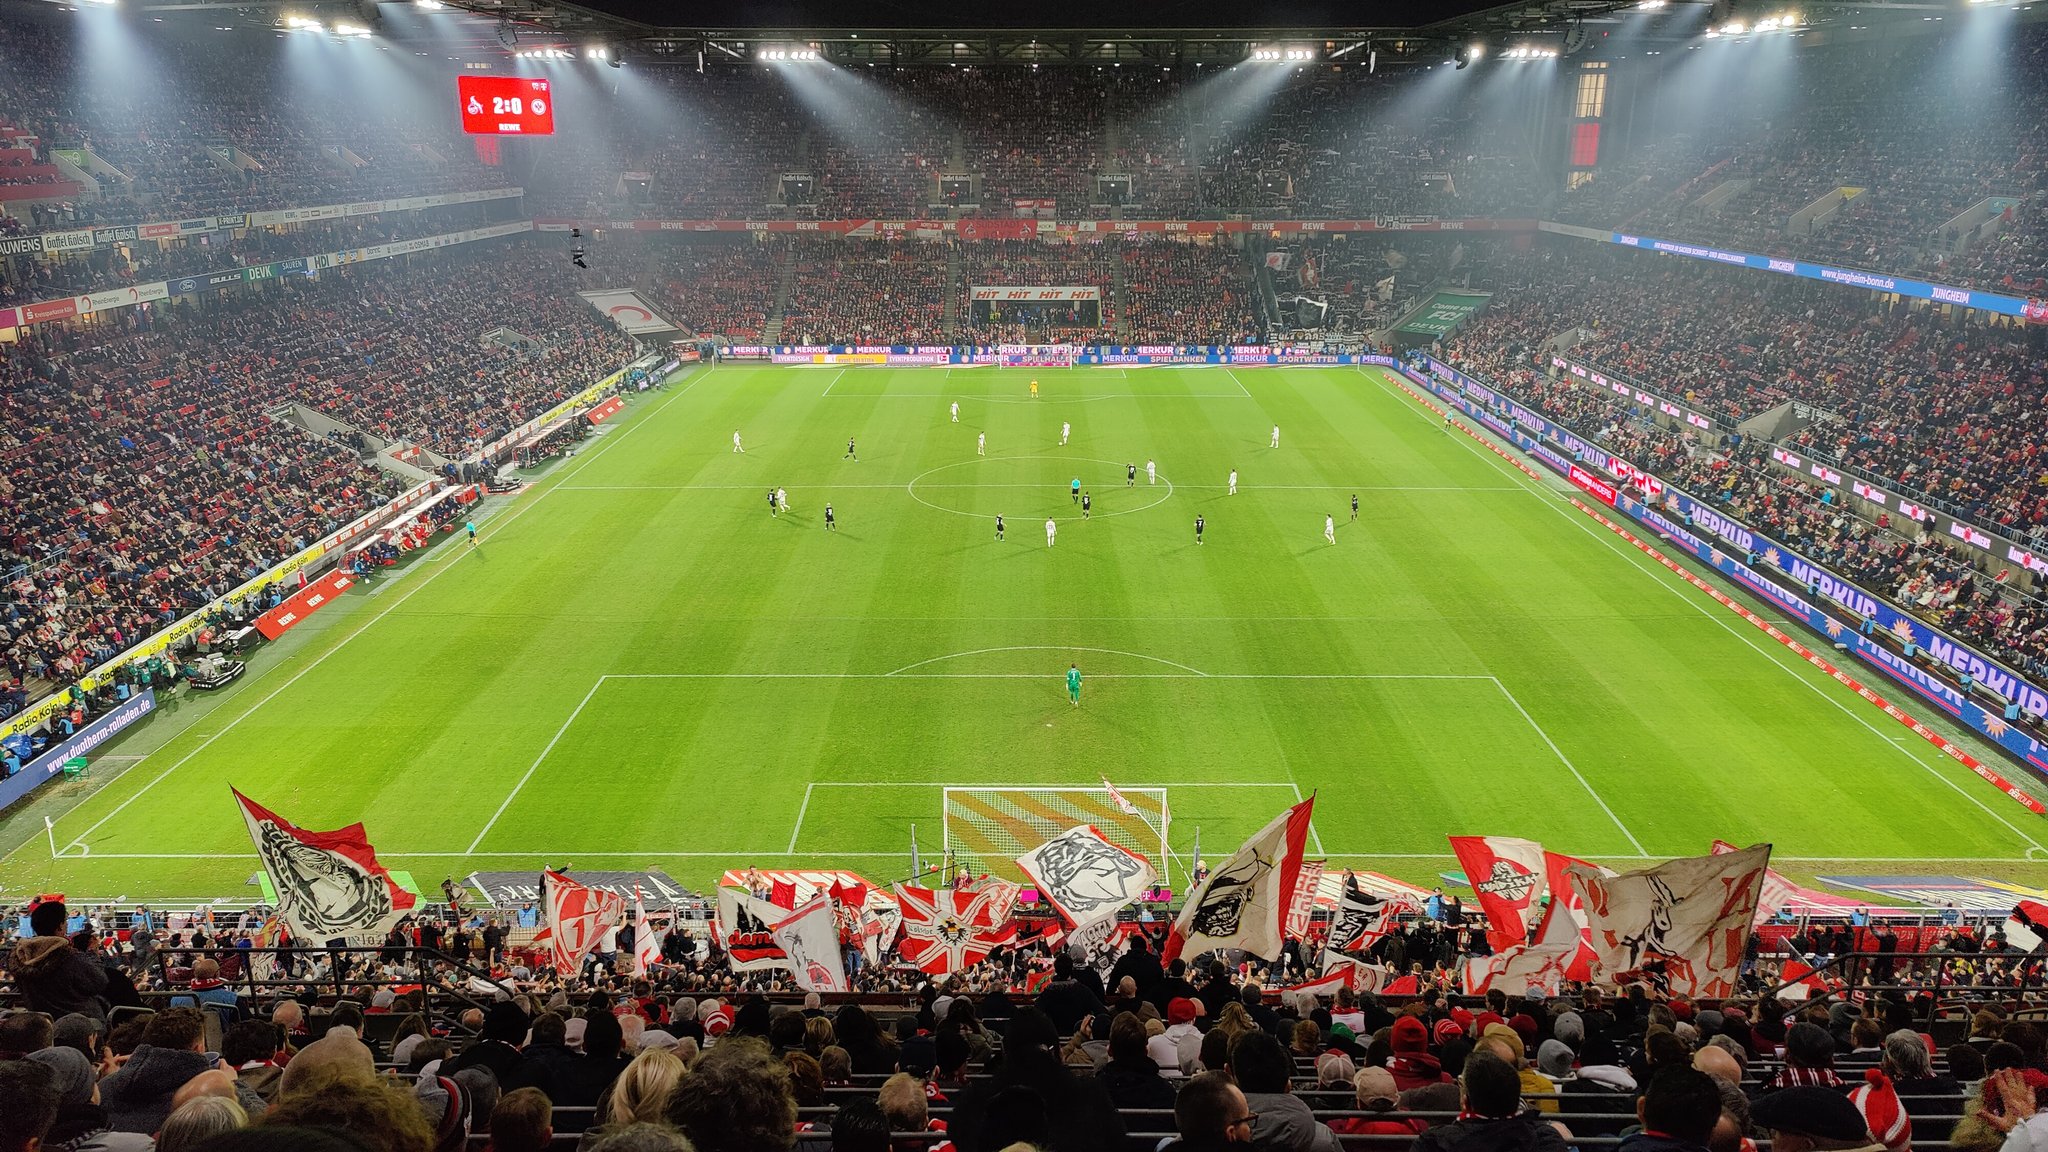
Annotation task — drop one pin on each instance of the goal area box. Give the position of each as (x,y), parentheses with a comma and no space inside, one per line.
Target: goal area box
(988,828)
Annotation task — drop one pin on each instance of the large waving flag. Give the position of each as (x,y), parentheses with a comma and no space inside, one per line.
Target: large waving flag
(809,937)
(578,916)
(947,931)
(1544,962)
(1243,903)
(329,884)
(743,931)
(1363,919)
(1680,927)
(1086,877)
(2027,928)
(1565,901)
(1506,875)
(1782,895)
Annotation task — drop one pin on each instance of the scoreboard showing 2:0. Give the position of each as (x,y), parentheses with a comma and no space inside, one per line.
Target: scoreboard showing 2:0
(505,106)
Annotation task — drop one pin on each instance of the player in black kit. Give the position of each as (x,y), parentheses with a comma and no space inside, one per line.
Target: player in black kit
(1199,525)
(1085,505)
(999,527)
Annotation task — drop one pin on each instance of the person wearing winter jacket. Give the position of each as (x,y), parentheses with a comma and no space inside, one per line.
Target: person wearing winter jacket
(1131,1077)
(55,978)
(81,1124)
(1490,1114)
(1264,1071)
(1679,1110)
(138,1094)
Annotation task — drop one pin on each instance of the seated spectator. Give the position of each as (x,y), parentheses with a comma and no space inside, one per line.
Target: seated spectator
(1211,1115)
(81,1121)
(1491,1117)
(1373,1091)
(379,1113)
(138,1095)
(1132,1077)
(1679,1110)
(522,1121)
(1812,1118)
(1264,1071)
(30,1090)
(197,1121)
(735,1099)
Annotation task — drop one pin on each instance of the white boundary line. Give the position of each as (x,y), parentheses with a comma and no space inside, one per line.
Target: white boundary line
(1048,648)
(801,810)
(1312,833)
(1232,373)
(834,380)
(1546,499)
(552,741)
(1569,766)
(921,484)
(491,528)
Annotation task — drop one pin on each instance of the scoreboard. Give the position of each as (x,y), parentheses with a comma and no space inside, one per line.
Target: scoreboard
(505,106)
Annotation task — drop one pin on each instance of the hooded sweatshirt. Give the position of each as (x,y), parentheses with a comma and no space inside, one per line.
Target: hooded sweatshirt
(57,979)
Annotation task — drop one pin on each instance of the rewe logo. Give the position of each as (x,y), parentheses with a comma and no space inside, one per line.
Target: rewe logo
(1507,882)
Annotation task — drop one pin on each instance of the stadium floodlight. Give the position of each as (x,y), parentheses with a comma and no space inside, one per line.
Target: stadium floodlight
(1733,28)
(351,30)
(303,24)
(428,5)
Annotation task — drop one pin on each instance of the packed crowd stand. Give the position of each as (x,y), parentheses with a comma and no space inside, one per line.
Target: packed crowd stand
(1187,293)
(1934,402)
(1894,119)
(134,1036)
(147,261)
(867,292)
(724,291)
(1927,575)
(145,475)
(162,145)
(1002,263)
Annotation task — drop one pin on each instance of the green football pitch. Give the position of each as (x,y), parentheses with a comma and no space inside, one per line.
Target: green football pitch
(639,665)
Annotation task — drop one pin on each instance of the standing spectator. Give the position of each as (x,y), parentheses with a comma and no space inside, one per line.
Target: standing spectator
(55,978)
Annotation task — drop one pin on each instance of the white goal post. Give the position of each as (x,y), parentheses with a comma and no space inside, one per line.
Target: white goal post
(986,829)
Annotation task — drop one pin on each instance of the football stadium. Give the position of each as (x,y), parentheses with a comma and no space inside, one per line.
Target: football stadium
(881,577)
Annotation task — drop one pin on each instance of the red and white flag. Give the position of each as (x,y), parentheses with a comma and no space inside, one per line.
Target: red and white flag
(1506,875)
(946,931)
(810,939)
(1301,908)
(1358,975)
(1363,919)
(1243,903)
(329,884)
(646,946)
(1564,899)
(1542,963)
(743,923)
(1085,876)
(2027,928)
(578,916)
(1679,927)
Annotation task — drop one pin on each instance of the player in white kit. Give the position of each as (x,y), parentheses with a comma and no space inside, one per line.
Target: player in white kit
(782,498)
(956,411)
(1051,530)
(1276,435)
(1233,482)
(736,442)
(981,443)
(1066,430)
(1151,472)
(1330,529)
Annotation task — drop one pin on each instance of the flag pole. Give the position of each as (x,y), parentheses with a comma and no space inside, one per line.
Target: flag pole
(50,830)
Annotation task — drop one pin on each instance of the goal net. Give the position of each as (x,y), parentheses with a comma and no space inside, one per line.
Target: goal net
(986,829)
